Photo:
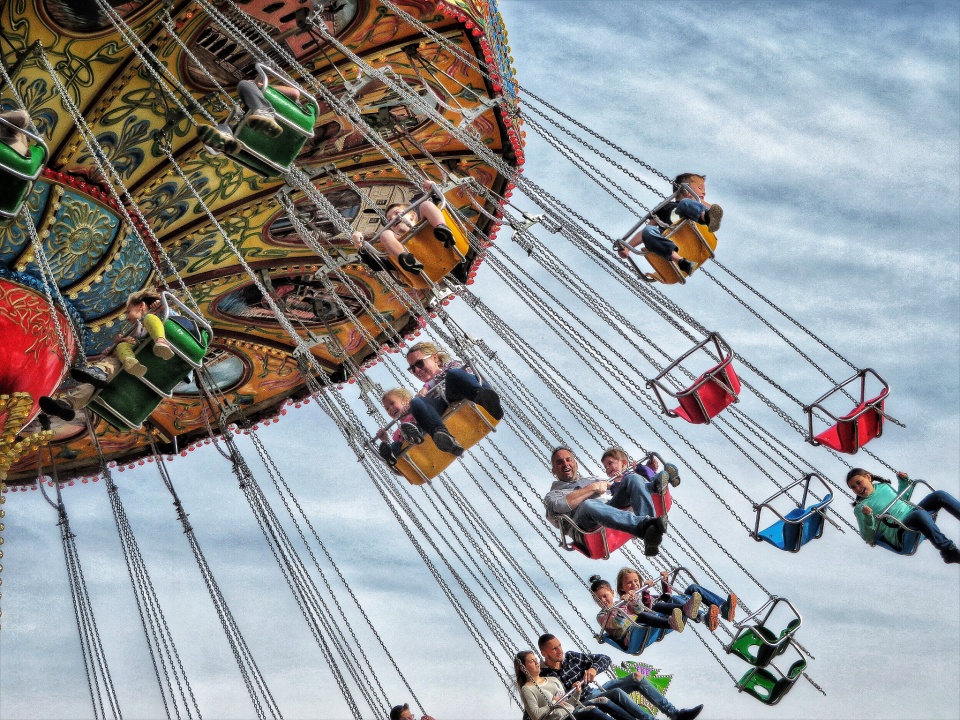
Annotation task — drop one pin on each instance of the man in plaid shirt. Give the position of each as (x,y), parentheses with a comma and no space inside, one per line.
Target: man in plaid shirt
(574,667)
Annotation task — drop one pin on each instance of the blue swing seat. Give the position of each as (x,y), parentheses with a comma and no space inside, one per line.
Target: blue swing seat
(801,524)
(642,637)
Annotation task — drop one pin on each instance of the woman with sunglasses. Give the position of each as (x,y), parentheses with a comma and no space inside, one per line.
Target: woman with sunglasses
(445,383)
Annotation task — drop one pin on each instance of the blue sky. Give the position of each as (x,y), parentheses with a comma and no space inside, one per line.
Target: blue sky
(829,133)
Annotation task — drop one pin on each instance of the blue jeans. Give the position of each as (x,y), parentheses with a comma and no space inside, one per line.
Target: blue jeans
(654,240)
(632,493)
(629,684)
(921,520)
(428,411)
(709,597)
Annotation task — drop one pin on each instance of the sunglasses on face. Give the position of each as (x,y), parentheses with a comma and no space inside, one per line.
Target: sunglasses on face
(419,364)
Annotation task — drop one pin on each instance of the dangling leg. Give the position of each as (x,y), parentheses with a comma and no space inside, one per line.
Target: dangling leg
(405,260)
(921,520)
(433,215)
(656,243)
(161,346)
(125,351)
(262,117)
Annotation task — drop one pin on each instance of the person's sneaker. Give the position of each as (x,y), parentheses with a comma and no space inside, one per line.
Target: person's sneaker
(447,443)
(218,139)
(689,713)
(652,534)
(687,267)
(672,473)
(950,555)
(57,408)
(409,263)
(162,349)
(411,433)
(91,375)
(713,216)
(729,608)
(386,452)
(489,401)
(134,366)
(692,605)
(444,235)
(676,620)
(264,122)
(713,618)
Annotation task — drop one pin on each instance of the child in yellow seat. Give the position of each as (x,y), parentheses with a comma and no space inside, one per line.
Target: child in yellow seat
(390,238)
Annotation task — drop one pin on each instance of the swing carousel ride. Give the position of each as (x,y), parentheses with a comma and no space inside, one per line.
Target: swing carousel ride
(268,302)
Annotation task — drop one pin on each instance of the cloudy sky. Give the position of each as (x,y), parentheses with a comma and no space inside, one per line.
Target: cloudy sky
(829,133)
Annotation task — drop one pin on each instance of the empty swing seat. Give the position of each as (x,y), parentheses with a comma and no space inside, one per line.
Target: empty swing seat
(858,427)
(273,156)
(595,544)
(767,687)
(467,422)
(128,401)
(801,524)
(642,637)
(758,645)
(710,393)
(19,173)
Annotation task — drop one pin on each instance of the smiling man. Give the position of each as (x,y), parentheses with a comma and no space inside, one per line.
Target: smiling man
(588,502)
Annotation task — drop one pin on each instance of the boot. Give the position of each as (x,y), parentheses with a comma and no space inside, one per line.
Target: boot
(489,401)
(409,263)
(91,375)
(446,442)
(713,216)
(688,714)
(162,349)
(686,266)
(57,408)
(950,554)
(443,234)
(134,366)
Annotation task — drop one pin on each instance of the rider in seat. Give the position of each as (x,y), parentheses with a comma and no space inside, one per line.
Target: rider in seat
(688,207)
(262,117)
(97,375)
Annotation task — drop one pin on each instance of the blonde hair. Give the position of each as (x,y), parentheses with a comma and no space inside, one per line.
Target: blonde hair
(399,392)
(622,575)
(428,348)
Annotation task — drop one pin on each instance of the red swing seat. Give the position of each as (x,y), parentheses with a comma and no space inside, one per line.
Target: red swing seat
(858,427)
(595,544)
(710,393)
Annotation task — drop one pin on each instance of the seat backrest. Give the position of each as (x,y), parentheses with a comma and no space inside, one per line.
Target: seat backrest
(592,544)
(853,432)
(756,645)
(698,406)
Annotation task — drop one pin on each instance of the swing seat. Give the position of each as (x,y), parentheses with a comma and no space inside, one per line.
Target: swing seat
(858,427)
(695,242)
(467,422)
(767,687)
(595,544)
(438,261)
(909,542)
(758,645)
(273,156)
(662,502)
(128,401)
(642,637)
(799,526)
(710,393)
(18,174)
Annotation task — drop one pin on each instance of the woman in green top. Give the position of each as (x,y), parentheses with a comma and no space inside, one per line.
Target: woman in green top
(873,499)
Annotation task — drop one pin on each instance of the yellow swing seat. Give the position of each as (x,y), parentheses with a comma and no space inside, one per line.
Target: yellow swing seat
(467,422)
(694,242)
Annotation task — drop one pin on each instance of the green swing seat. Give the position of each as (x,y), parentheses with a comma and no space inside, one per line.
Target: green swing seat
(273,156)
(759,645)
(767,687)
(19,173)
(129,400)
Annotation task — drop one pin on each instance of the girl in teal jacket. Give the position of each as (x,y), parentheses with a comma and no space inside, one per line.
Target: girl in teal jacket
(873,499)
